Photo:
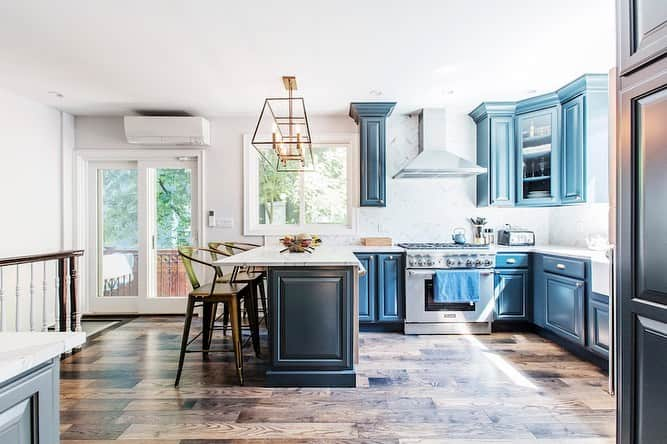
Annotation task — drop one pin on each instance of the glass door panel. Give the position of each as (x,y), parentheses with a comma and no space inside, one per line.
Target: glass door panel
(537,139)
(118,232)
(172,228)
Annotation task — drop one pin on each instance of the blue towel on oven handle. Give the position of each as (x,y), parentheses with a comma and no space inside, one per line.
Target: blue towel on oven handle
(456,286)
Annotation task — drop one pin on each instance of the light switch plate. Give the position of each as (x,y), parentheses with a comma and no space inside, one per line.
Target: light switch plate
(224,222)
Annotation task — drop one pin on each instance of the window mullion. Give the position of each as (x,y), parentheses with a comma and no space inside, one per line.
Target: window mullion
(302,200)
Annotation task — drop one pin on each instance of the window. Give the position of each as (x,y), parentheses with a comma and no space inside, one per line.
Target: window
(287,202)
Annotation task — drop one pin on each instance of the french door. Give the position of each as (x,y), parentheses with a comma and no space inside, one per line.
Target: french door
(140,212)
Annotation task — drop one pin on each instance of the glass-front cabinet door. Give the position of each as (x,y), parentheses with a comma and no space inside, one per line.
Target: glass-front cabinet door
(538,168)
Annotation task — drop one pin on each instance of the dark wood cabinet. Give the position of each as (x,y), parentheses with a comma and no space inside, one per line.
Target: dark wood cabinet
(371,118)
(642,33)
(382,290)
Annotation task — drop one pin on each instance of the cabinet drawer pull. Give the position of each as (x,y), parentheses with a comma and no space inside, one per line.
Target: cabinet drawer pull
(511,261)
(560,266)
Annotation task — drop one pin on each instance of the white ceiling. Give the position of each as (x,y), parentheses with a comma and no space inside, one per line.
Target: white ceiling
(216,57)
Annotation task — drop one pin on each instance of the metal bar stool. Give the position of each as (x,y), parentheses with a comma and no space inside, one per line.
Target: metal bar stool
(247,274)
(209,296)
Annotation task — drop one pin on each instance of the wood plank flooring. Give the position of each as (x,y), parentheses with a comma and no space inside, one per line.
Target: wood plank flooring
(501,388)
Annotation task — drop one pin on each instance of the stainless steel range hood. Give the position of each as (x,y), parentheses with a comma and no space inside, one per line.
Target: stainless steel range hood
(433,160)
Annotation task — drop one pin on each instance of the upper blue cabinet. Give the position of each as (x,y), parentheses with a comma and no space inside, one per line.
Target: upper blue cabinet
(495,151)
(546,150)
(371,118)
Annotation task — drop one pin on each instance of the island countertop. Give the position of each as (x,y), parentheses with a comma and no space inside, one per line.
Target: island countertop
(271,256)
(22,351)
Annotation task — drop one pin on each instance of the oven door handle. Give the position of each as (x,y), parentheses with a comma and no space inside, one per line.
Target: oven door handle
(484,272)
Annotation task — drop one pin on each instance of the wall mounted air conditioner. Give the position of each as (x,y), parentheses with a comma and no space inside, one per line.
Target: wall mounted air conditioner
(167,130)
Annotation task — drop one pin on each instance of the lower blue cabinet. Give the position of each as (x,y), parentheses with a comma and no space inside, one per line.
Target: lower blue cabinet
(382,289)
(390,282)
(565,307)
(598,324)
(367,289)
(511,295)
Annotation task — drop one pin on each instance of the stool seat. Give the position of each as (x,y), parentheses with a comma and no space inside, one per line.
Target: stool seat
(222,288)
(241,277)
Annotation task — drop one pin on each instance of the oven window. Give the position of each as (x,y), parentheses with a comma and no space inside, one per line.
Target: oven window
(431,305)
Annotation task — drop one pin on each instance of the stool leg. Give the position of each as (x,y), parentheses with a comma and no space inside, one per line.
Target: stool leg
(250,299)
(186,336)
(214,312)
(262,295)
(206,329)
(225,318)
(234,313)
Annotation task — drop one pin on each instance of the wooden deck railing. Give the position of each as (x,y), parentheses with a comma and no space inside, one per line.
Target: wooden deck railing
(66,311)
(171,279)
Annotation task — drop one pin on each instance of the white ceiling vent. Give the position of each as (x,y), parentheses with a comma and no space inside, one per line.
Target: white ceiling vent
(167,130)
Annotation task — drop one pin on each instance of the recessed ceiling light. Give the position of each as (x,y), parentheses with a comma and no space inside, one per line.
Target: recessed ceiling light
(56,94)
(375,92)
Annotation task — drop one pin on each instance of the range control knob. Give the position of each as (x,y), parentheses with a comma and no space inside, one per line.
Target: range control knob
(488,262)
(469,263)
(420,260)
(451,262)
(429,261)
(478,263)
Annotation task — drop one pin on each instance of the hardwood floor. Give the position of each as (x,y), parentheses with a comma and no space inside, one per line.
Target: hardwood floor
(506,387)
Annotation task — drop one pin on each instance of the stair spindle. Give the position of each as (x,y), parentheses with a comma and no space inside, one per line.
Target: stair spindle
(45,324)
(2,300)
(31,293)
(18,297)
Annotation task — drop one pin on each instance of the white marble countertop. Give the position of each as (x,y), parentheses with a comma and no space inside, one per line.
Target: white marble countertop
(583,253)
(21,351)
(271,256)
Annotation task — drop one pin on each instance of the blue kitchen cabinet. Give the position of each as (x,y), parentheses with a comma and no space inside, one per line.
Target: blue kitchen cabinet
(511,295)
(371,118)
(539,293)
(598,325)
(382,291)
(584,140)
(565,307)
(29,406)
(556,152)
(573,184)
(495,152)
(538,155)
(512,287)
(367,290)
(390,284)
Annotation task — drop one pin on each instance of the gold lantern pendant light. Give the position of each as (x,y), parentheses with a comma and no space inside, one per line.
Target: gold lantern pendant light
(282,135)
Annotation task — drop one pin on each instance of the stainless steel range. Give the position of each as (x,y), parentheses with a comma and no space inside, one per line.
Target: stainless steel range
(423,315)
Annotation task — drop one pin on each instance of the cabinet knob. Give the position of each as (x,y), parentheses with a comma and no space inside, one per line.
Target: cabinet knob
(579,285)
(511,261)
(560,266)
(391,257)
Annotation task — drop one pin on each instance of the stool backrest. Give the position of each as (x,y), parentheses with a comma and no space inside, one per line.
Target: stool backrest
(188,256)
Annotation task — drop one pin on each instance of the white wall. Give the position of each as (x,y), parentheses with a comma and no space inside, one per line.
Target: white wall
(34,144)
(418,210)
